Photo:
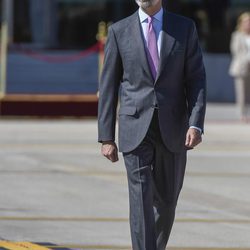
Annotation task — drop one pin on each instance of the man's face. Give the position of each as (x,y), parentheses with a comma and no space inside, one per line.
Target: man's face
(147,3)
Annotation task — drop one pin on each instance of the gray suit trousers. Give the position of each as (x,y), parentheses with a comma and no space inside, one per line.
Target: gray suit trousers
(155,178)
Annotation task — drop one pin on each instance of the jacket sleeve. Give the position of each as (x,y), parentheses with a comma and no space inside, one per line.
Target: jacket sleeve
(195,79)
(108,89)
(234,44)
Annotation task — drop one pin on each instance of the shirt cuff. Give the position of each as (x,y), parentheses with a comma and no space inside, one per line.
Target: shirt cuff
(197,128)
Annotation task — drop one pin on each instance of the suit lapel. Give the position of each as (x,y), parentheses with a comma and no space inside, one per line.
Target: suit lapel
(167,42)
(138,44)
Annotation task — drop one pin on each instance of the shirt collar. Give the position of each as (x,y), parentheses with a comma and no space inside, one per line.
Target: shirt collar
(143,16)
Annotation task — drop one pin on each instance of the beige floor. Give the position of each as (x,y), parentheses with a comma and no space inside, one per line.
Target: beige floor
(55,188)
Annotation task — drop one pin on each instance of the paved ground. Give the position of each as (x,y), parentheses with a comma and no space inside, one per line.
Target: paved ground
(55,188)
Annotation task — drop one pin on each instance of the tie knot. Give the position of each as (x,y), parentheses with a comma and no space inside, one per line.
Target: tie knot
(150,19)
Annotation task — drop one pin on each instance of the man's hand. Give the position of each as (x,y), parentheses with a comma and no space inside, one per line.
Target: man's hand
(109,150)
(193,138)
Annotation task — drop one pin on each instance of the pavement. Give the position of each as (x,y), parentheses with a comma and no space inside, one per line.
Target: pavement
(58,192)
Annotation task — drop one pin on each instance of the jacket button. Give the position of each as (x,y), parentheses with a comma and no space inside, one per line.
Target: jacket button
(155,106)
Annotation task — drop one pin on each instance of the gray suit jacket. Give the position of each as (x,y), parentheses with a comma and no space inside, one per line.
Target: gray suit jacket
(179,89)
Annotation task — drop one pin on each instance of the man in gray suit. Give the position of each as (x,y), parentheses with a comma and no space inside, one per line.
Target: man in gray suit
(153,65)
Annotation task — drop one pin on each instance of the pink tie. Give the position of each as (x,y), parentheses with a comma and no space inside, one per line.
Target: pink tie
(153,56)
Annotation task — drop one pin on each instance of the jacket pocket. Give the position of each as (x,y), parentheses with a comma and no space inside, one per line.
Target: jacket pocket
(127,111)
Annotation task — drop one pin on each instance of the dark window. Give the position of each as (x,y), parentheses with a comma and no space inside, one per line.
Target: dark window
(215,20)
(21,23)
(78,20)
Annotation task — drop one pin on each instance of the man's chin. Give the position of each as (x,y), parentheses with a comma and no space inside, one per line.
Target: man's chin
(144,4)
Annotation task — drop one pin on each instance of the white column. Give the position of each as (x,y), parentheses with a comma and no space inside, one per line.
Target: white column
(9,18)
(6,37)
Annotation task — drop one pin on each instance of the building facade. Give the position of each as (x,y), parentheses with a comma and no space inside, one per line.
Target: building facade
(64,25)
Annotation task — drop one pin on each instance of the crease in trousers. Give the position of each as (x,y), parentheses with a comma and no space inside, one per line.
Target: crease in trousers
(155,178)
